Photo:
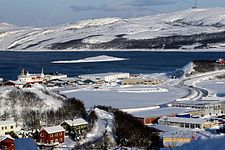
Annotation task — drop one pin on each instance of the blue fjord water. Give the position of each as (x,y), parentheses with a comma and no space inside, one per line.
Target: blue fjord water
(11,63)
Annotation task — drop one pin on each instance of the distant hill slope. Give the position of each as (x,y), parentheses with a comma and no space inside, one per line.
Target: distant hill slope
(189,29)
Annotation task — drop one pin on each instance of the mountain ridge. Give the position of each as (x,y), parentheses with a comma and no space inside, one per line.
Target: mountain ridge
(188,29)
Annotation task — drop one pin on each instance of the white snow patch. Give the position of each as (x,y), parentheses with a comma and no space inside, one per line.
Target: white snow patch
(102,58)
(93,22)
(144,90)
(98,39)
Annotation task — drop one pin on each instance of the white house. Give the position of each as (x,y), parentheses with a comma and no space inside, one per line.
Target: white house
(107,77)
(7,126)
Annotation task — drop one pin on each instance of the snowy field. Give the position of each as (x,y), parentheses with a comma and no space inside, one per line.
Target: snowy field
(117,99)
(214,86)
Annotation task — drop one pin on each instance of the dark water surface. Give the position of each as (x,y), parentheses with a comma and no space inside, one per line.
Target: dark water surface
(11,63)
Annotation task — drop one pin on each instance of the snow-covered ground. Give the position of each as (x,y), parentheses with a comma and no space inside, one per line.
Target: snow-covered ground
(68,144)
(135,98)
(45,94)
(214,86)
(102,58)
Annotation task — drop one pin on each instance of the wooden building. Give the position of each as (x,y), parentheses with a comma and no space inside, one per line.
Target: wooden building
(208,107)
(51,136)
(78,126)
(151,116)
(7,143)
(141,82)
(7,126)
(190,123)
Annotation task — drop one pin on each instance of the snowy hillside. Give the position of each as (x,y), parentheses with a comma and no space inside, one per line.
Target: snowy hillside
(192,28)
(24,104)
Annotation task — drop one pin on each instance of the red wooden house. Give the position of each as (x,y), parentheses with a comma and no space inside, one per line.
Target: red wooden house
(51,135)
(221,61)
(7,143)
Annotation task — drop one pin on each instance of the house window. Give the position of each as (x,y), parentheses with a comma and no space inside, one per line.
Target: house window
(56,134)
(60,133)
(60,139)
(198,126)
(6,128)
(51,135)
(42,135)
(41,141)
(186,125)
(2,128)
(52,141)
(11,127)
(56,140)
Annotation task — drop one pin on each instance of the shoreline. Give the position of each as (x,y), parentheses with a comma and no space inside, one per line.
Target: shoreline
(121,50)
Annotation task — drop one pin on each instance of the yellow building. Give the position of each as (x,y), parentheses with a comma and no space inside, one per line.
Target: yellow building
(190,123)
(7,127)
(141,82)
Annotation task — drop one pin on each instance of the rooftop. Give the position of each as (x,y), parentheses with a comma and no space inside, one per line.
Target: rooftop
(54,129)
(76,122)
(162,112)
(7,122)
(198,102)
(103,74)
(184,120)
(2,138)
(165,128)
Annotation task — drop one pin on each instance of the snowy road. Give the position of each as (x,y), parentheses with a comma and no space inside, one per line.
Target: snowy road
(195,92)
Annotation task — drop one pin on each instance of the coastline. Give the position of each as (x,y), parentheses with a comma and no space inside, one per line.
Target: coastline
(120,50)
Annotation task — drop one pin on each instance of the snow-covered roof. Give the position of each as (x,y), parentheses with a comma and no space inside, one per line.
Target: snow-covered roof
(161,112)
(2,138)
(184,120)
(164,128)
(102,74)
(76,122)
(7,123)
(54,129)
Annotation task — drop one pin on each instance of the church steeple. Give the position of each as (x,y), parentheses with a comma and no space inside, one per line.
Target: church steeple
(22,72)
(42,72)
(27,74)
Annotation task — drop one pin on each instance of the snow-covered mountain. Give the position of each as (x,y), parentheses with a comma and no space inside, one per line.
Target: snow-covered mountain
(192,28)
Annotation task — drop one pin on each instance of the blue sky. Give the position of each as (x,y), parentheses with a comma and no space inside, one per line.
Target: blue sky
(55,12)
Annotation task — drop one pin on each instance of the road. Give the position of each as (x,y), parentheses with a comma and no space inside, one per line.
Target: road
(196,93)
